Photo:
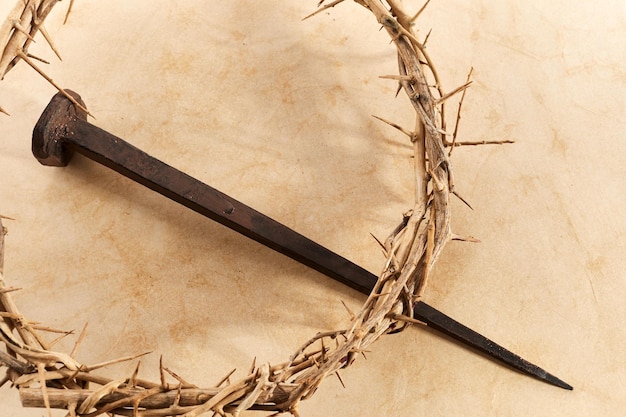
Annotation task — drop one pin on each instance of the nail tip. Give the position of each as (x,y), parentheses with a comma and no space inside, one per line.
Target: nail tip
(558,382)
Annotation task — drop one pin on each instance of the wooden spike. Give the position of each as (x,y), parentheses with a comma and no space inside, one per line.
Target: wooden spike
(133,378)
(398,89)
(69,9)
(162,373)
(458,113)
(462,199)
(398,77)
(226,378)
(37,58)
(113,362)
(348,310)
(407,319)
(479,142)
(48,39)
(79,340)
(426,40)
(392,124)
(57,340)
(328,6)
(4,111)
(18,26)
(453,92)
(26,59)
(51,329)
(382,245)
(464,238)
(419,12)
(177,377)
(340,380)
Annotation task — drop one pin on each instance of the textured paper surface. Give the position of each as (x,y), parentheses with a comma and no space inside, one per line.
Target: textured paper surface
(277,113)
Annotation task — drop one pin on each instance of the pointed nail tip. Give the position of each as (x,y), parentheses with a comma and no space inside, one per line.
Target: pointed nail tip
(566,386)
(558,382)
(439,321)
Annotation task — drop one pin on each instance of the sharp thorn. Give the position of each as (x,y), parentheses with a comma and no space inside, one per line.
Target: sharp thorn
(352,316)
(340,379)
(26,59)
(328,6)
(463,200)
(81,337)
(398,77)
(48,39)
(453,92)
(395,125)
(253,366)
(419,12)
(426,38)
(465,238)
(226,378)
(37,58)
(20,28)
(382,245)
(69,9)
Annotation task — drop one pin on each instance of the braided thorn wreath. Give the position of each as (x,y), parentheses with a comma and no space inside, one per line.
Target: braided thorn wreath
(45,378)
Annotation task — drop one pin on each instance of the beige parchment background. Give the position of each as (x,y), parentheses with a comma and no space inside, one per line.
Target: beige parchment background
(277,113)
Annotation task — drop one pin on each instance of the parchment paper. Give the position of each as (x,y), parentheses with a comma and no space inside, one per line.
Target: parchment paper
(276,112)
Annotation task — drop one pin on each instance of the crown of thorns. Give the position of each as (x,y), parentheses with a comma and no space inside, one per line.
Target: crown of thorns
(46,378)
